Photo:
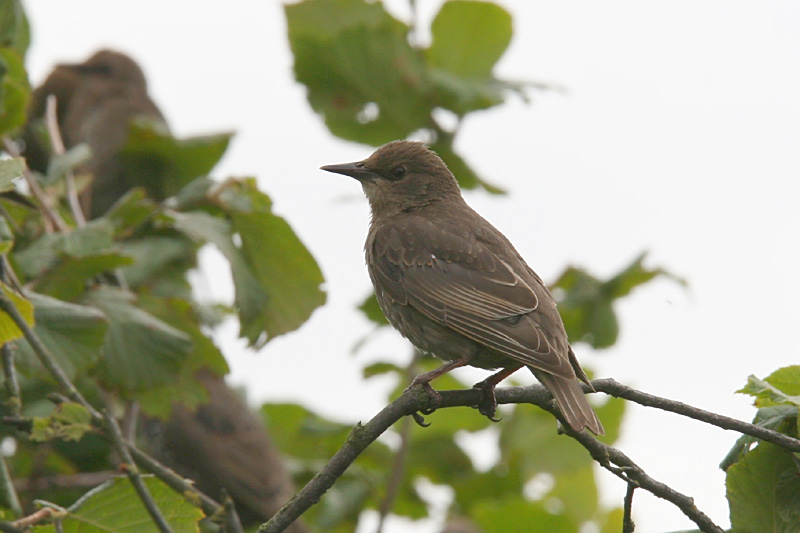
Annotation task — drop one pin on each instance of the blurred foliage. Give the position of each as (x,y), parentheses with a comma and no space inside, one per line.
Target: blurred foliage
(763,480)
(371,84)
(115,506)
(586,303)
(112,301)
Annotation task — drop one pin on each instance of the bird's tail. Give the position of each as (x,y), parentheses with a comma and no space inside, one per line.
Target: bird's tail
(571,401)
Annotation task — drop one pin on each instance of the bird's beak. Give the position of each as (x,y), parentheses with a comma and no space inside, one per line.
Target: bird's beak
(354,170)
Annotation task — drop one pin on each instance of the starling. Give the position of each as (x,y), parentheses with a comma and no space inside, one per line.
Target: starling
(453,285)
(96,101)
(222,444)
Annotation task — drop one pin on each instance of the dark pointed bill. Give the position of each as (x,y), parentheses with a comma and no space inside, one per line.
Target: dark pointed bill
(354,170)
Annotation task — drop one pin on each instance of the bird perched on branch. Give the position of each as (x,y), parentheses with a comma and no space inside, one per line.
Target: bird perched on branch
(455,286)
(96,101)
(221,444)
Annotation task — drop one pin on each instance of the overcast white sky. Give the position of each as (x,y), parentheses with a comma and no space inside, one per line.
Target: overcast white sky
(679,135)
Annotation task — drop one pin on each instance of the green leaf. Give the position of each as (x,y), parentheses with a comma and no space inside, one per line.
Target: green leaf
(782,386)
(130,211)
(467,178)
(362,75)
(782,418)
(153,255)
(612,522)
(14,89)
(637,274)
(73,333)
(381,368)
(96,236)
(14,29)
(786,379)
(763,491)
(469,37)
(69,421)
(48,250)
(8,328)
(577,490)
(518,514)
(301,433)
(611,414)
(68,280)
(530,428)
(115,506)
(187,390)
(69,161)
(6,236)
(250,297)
(586,303)
(10,171)
(372,310)
(140,350)
(164,164)
(284,268)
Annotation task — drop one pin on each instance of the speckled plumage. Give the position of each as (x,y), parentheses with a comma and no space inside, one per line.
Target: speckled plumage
(453,285)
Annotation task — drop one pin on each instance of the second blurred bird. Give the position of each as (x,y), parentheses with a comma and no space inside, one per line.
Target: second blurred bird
(222,445)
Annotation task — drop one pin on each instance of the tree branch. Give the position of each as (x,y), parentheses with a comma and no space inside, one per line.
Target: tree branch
(58,147)
(618,390)
(51,213)
(169,477)
(414,400)
(129,466)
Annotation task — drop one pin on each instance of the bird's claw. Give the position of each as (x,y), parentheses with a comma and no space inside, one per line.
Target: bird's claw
(434,401)
(488,404)
(420,420)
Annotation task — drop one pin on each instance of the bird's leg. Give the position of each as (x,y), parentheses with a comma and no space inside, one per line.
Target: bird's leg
(488,405)
(425,379)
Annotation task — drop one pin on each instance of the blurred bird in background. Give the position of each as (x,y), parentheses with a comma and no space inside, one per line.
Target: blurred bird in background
(96,102)
(221,445)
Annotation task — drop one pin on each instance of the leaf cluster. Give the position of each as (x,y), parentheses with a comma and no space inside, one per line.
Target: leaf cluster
(371,85)
(763,480)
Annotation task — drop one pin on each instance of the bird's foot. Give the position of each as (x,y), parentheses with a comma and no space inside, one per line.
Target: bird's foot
(488,404)
(434,401)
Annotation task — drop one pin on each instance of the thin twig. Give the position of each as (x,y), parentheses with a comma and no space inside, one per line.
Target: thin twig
(45,357)
(51,118)
(360,437)
(8,527)
(9,492)
(396,474)
(616,389)
(51,214)
(234,525)
(133,474)
(14,401)
(627,509)
(192,495)
(398,470)
(78,480)
(42,514)
(176,482)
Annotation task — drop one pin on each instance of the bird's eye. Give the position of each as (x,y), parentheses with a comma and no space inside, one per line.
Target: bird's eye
(398,172)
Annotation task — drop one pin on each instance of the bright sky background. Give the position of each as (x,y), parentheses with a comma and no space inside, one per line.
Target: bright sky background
(680,134)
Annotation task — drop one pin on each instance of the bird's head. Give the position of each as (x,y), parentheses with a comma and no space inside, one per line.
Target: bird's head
(107,65)
(401,175)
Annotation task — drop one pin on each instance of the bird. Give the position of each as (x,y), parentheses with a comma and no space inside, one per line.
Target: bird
(96,101)
(221,444)
(455,286)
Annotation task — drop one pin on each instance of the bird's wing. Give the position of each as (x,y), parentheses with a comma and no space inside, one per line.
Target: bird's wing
(497,302)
